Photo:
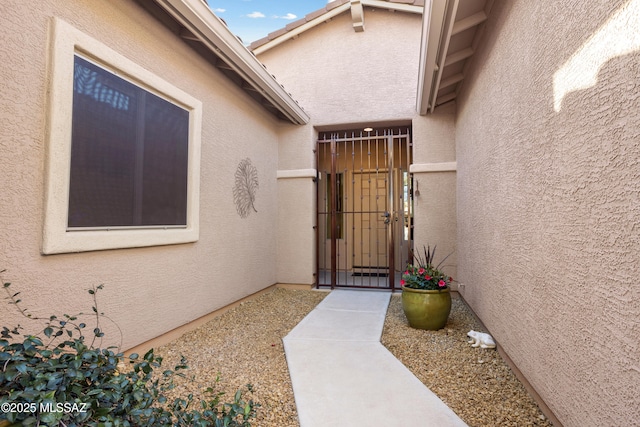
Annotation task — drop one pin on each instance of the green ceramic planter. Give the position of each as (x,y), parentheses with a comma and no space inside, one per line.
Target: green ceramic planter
(426,309)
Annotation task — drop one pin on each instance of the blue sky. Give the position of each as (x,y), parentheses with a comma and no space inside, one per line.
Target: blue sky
(254,19)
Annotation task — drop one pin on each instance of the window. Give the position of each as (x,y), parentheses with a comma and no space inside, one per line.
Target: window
(123,152)
(128,154)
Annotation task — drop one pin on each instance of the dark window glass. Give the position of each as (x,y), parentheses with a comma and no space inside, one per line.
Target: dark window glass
(128,154)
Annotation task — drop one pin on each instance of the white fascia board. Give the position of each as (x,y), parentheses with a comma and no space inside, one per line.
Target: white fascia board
(333,13)
(400,7)
(443,49)
(196,16)
(432,23)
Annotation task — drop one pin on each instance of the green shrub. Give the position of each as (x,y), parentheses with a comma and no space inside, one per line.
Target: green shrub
(60,377)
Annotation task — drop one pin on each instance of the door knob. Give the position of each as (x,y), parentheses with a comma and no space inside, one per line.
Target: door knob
(386,216)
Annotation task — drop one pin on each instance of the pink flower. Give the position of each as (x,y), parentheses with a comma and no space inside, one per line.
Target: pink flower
(427,277)
(421,271)
(402,282)
(442,283)
(406,272)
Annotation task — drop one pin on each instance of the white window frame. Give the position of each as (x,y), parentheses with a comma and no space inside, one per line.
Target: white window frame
(57,236)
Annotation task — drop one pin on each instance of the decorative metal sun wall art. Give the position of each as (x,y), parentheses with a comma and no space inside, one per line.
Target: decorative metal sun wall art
(244,191)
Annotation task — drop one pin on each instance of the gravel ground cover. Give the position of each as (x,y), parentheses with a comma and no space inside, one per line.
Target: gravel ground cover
(476,383)
(244,345)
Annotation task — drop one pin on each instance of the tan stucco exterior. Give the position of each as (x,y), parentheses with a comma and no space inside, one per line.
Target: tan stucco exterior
(549,201)
(366,78)
(434,179)
(371,81)
(531,179)
(148,291)
(296,205)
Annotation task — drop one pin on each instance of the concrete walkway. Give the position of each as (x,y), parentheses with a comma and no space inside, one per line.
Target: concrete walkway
(343,376)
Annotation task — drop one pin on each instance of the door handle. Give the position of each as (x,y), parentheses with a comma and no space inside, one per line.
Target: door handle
(386,216)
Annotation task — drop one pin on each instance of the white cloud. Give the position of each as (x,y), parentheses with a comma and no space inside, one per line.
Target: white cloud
(219,10)
(256,15)
(289,16)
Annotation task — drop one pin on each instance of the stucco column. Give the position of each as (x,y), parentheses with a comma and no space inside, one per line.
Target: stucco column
(434,177)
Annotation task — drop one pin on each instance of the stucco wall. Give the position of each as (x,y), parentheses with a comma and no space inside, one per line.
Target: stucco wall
(341,76)
(343,79)
(148,290)
(549,200)
(434,181)
(296,205)
(296,220)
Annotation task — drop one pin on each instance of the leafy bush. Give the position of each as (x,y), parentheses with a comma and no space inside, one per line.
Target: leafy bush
(59,378)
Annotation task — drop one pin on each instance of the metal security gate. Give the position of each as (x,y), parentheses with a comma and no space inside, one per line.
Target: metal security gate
(364,224)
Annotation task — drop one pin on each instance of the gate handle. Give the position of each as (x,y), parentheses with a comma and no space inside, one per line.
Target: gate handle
(386,216)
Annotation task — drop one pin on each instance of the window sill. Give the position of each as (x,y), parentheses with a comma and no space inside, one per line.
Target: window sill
(94,240)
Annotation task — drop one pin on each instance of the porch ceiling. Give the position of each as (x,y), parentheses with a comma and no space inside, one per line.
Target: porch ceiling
(451,30)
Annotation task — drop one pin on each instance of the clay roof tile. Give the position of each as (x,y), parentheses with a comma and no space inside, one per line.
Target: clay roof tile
(295,24)
(335,4)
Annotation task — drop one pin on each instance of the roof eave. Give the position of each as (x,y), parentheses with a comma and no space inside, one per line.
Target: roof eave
(447,25)
(313,20)
(196,16)
(302,28)
(432,23)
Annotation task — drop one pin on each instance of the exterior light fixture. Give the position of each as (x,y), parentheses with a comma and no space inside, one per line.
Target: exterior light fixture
(368,129)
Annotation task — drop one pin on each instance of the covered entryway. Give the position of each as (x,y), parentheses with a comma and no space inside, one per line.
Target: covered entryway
(364,219)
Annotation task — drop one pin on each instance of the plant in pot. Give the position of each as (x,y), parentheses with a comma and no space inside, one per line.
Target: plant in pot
(426,297)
